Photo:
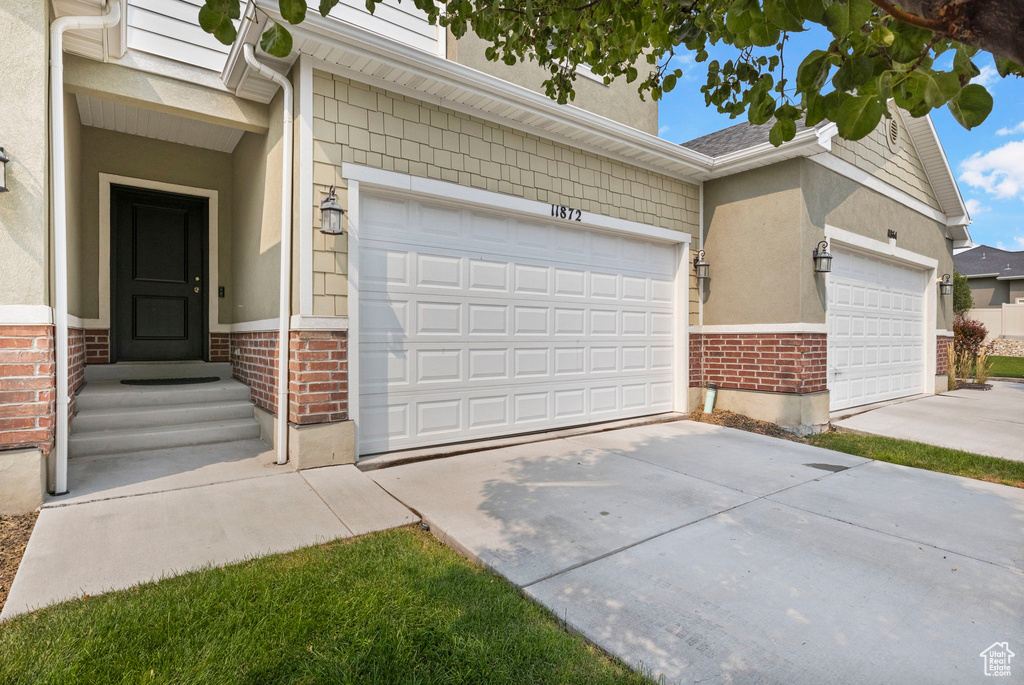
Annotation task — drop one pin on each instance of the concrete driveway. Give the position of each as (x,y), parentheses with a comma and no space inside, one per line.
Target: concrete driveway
(987,422)
(706,554)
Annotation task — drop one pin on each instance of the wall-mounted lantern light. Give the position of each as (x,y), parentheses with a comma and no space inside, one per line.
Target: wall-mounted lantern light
(701,266)
(822,258)
(331,214)
(3,170)
(946,285)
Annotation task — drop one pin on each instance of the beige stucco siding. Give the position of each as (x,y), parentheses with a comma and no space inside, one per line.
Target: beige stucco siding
(762,225)
(24,211)
(256,221)
(363,125)
(838,201)
(618,101)
(900,168)
(155,160)
(752,239)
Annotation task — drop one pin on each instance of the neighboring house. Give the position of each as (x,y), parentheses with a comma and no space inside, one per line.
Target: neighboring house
(996,276)
(509,265)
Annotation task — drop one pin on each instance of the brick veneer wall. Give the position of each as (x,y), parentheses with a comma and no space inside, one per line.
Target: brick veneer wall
(76,366)
(97,346)
(941,356)
(27,388)
(220,347)
(253,359)
(318,377)
(766,362)
(318,373)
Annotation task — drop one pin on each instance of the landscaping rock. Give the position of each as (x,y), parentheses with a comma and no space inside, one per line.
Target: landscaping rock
(1004,347)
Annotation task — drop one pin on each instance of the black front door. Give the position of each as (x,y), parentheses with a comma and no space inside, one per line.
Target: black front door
(158,255)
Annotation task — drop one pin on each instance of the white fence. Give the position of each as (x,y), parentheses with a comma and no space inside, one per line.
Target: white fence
(1005,322)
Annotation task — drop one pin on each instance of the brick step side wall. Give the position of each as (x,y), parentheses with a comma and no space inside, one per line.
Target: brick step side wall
(765,362)
(318,373)
(27,387)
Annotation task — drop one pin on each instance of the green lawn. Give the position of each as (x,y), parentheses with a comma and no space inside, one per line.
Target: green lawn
(923,456)
(1007,367)
(394,607)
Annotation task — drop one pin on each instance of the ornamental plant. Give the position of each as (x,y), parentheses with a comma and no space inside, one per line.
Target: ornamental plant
(969,336)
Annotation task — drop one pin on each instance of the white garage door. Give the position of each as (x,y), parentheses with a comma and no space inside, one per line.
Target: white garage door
(476,324)
(875,330)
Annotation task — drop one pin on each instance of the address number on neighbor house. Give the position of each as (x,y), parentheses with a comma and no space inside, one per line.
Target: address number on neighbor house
(563,212)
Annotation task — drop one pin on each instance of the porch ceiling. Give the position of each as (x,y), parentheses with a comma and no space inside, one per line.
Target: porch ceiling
(125,118)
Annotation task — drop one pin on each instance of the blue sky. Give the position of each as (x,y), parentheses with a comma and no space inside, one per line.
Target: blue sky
(987,161)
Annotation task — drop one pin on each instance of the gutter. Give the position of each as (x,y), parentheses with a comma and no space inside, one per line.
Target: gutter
(284,303)
(60,222)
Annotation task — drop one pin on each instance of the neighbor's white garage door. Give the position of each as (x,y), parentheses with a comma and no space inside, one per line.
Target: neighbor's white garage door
(875,330)
(476,324)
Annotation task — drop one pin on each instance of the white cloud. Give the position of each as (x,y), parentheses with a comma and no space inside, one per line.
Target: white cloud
(987,77)
(1019,240)
(974,207)
(999,172)
(1009,131)
(662,130)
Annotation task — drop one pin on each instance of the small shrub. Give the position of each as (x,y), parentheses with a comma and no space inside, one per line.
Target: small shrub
(968,336)
(982,367)
(962,298)
(950,366)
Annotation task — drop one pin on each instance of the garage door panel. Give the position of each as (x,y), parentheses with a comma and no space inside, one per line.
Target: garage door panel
(876,330)
(493,325)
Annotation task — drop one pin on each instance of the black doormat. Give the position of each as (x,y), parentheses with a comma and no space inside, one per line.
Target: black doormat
(171,381)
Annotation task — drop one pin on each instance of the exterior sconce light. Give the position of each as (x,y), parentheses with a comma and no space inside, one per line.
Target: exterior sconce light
(822,258)
(945,285)
(3,170)
(702,268)
(331,214)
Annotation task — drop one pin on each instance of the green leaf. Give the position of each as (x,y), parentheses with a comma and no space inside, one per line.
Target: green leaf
(858,116)
(668,83)
(225,33)
(784,14)
(1006,67)
(854,72)
(209,18)
(939,87)
(812,10)
(971,106)
(293,11)
(846,16)
(783,130)
(738,20)
(276,41)
(813,71)
(326,6)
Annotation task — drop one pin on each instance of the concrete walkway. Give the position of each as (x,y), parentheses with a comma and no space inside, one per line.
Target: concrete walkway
(989,422)
(129,521)
(707,554)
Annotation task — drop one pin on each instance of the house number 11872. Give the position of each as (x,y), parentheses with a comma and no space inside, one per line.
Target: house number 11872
(563,212)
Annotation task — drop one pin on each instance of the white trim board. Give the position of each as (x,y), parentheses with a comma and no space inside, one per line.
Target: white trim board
(854,173)
(754,328)
(319,323)
(453,192)
(889,249)
(26,315)
(939,333)
(103,268)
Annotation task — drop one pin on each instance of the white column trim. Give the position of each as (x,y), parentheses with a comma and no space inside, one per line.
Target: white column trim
(352,344)
(681,337)
(453,192)
(319,323)
(212,282)
(26,315)
(939,333)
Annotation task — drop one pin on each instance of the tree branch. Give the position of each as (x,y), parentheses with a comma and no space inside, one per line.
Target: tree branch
(907,18)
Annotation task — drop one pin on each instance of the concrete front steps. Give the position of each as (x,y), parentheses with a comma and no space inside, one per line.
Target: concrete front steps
(114,418)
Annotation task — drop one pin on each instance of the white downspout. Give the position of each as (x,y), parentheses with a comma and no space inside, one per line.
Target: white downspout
(60,221)
(284,306)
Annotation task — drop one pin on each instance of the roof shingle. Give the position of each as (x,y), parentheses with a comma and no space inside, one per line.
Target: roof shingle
(984,259)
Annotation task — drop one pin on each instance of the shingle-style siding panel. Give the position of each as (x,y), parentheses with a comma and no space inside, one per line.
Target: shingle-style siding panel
(364,125)
(901,168)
